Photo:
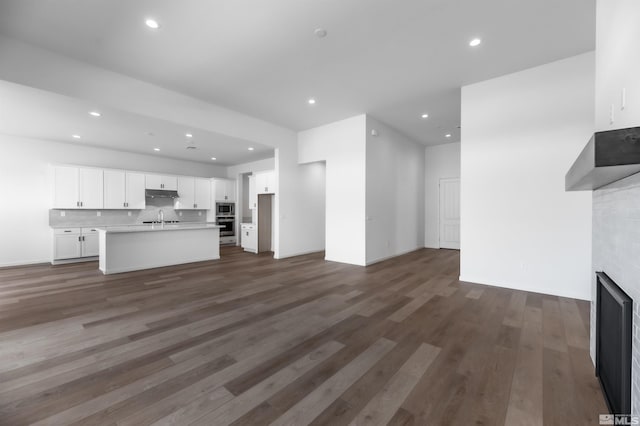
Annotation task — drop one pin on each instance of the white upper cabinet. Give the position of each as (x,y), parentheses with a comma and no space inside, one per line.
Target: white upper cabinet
(169,183)
(203,194)
(186,192)
(225,190)
(66,186)
(266,182)
(195,194)
(91,188)
(77,188)
(115,189)
(124,190)
(135,191)
(253,195)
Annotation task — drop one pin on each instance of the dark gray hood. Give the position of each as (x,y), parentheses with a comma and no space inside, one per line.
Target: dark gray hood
(161,193)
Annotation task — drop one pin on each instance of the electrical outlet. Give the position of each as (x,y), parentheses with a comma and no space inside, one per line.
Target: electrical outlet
(98,214)
(128,213)
(63,213)
(180,213)
(199,213)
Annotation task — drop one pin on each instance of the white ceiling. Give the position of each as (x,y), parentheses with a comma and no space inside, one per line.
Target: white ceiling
(391,59)
(29,112)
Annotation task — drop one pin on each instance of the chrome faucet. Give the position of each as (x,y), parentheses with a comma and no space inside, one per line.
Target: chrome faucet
(161,216)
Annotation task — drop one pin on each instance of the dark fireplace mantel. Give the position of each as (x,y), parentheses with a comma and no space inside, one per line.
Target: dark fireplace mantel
(608,157)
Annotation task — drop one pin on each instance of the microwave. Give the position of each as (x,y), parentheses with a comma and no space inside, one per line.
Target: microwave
(225,209)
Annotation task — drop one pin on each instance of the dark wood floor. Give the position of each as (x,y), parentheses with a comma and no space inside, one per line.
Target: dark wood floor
(251,340)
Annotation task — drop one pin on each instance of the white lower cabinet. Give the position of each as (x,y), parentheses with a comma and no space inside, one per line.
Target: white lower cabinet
(249,237)
(74,243)
(90,245)
(66,243)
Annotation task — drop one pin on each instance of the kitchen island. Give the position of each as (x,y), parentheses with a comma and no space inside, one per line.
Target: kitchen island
(136,247)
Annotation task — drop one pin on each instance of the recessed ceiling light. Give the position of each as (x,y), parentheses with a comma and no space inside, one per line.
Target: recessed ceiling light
(320,32)
(424,116)
(213,158)
(311,101)
(152,23)
(75,136)
(250,148)
(448,135)
(156,149)
(189,135)
(475,42)
(95,113)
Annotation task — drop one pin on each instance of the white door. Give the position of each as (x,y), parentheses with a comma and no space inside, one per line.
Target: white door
(450,213)
(153,181)
(186,192)
(114,189)
(135,191)
(202,195)
(231,190)
(91,189)
(220,186)
(253,196)
(66,246)
(90,245)
(170,183)
(65,191)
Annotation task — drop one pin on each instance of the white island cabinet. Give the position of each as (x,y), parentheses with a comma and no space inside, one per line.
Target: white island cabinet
(136,247)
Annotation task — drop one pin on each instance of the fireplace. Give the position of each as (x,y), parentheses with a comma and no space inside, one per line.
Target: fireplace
(613,343)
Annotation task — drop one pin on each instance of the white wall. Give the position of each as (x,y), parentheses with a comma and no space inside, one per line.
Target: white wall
(618,62)
(441,161)
(24,218)
(394,193)
(252,167)
(520,135)
(342,145)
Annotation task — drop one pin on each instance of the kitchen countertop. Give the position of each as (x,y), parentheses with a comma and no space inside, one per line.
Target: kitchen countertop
(155,227)
(122,225)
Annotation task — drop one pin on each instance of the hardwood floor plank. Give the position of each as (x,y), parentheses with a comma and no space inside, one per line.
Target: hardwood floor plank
(382,407)
(314,403)
(253,397)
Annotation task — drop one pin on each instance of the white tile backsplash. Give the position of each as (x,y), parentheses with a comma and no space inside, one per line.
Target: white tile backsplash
(76,217)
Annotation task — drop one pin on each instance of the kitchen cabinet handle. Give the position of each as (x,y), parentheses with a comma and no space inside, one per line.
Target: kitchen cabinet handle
(77,203)
(83,238)
(79,238)
(67,231)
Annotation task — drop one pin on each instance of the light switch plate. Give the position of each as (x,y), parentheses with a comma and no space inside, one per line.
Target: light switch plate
(128,213)
(98,213)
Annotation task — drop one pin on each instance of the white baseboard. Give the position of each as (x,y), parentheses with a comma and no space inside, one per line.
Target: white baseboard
(302,253)
(382,259)
(24,263)
(76,260)
(547,291)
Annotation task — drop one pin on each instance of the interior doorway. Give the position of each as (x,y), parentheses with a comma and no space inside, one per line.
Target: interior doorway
(450,213)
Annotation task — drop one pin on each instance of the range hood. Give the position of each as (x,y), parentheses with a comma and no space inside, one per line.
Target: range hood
(608,157)
(161,193)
